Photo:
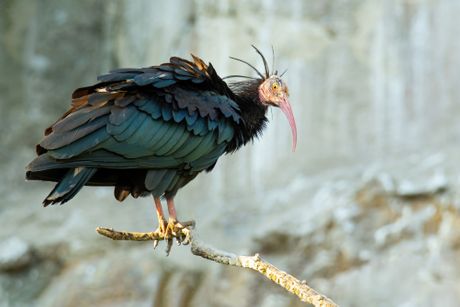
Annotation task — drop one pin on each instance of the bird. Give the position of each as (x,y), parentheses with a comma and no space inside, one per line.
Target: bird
(150,131)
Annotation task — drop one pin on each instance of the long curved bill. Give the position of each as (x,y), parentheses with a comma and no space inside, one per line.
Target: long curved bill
(285,106)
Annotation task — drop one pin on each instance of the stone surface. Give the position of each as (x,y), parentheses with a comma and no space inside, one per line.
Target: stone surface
(366,210)
(14,254)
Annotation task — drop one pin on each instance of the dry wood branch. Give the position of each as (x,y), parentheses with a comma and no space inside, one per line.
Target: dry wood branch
(129,235)
(283,279)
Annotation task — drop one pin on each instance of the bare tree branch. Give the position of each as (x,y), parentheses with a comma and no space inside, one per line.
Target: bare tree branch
(256,263)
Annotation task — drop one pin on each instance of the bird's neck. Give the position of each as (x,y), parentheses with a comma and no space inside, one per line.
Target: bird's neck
(252,112)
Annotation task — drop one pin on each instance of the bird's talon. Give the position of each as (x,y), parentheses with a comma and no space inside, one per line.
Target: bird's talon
(189,224)
(186,224)
(172,229)
(187,236)
(161,230)
(168,246)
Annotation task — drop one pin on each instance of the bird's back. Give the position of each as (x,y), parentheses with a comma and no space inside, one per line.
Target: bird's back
(144,131)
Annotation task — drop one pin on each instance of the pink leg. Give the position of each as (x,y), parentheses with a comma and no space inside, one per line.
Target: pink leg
(173,216)
(160,214)
(172,229)
(171,209)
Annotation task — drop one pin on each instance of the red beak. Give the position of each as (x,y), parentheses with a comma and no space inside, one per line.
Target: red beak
(285,106)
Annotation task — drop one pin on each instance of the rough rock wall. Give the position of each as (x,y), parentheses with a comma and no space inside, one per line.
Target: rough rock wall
(367,208)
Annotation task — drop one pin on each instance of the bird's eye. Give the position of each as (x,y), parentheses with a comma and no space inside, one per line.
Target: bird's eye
(275,85)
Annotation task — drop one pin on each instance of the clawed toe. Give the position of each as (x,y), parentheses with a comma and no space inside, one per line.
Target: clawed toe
(173,229)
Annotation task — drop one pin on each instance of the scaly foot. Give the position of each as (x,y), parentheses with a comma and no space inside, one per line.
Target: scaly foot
(161,230)
(178,230)
(173,229)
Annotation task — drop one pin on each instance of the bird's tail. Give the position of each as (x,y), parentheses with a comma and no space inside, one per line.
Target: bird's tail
(69,185)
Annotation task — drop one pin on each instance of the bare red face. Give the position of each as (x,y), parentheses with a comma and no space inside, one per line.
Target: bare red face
(275,93)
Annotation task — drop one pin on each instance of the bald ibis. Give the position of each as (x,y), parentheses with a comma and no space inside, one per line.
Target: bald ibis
(150,131)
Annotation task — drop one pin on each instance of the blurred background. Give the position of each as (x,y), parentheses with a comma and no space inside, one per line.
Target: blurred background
(366,210)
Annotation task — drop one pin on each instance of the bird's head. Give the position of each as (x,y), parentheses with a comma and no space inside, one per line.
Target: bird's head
(274,92)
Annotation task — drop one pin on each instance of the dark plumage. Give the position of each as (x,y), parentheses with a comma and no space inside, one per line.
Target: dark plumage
(152,130)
